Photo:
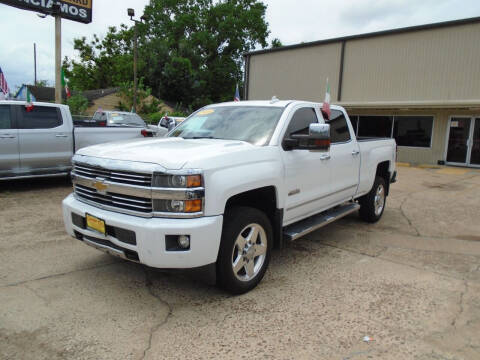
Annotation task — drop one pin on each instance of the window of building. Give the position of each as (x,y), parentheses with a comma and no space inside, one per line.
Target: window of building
(41,117)
(301,121)
(375,126)
(339,131)
(5,119)
(413,130)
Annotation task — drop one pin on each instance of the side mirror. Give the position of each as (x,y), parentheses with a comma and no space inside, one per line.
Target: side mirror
(318,139)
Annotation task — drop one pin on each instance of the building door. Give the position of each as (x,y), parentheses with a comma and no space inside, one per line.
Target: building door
(464,141)
(475,152)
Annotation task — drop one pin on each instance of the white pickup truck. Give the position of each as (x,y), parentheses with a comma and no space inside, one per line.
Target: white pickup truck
(41,142)
(227,185)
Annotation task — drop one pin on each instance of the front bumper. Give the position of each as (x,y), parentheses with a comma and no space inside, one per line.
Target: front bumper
(205,235)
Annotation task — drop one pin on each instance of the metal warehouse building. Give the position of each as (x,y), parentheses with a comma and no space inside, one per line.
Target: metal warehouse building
(420,85)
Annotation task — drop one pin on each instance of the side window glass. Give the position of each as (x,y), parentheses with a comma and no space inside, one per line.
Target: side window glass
(41,117)
(339,131)
(301,120)
(5,117)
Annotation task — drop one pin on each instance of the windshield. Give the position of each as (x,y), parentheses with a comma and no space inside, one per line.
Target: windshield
(115,119)
(254,124)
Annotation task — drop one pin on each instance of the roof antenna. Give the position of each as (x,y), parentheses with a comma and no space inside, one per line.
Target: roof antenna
(274,100)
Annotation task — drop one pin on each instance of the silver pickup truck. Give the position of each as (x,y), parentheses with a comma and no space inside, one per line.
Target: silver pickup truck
(41,142)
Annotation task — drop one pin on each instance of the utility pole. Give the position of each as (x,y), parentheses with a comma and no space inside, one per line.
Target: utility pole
(35,63)
(135,69)
(131,13)
(58,58)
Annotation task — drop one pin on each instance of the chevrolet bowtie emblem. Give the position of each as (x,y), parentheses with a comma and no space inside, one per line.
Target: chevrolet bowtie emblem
(100,185)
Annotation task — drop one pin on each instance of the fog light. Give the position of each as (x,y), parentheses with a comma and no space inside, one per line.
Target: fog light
(184,241)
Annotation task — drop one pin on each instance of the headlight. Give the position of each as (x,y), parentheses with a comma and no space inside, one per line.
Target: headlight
(177,206)
(176,181)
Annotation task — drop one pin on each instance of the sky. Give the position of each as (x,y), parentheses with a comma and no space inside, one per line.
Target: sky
(292,21)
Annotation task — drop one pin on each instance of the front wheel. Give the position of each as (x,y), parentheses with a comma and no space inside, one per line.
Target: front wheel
(372,205)
(247,240)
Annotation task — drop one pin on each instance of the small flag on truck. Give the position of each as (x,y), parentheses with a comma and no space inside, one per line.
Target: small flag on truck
(65,85)
(326,102)
(237,94)
(29,103)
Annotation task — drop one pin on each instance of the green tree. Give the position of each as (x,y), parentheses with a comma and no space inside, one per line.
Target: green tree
(190,51)
(78,104)
(276,43)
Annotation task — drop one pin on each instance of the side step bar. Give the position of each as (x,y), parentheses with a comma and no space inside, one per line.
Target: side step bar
(303,227)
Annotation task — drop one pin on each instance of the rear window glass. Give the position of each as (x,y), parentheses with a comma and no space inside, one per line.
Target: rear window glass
(5,120)
(125,119)
(41,117)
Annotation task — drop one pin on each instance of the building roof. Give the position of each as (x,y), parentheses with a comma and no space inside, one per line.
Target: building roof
(370,35)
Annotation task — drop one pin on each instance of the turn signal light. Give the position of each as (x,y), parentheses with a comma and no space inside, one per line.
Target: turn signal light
(194,181)
(192,206)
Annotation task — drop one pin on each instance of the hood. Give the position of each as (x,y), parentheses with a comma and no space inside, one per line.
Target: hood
(171,153)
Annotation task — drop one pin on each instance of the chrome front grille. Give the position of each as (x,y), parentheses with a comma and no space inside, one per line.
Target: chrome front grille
(114,200)
(120,177)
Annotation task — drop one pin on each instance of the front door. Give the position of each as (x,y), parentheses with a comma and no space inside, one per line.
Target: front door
(307,173)
(464,141)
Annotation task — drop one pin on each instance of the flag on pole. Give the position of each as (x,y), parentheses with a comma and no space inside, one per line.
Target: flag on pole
(29,103)
(237,94)
(65,85)
(326,102)
(3,84)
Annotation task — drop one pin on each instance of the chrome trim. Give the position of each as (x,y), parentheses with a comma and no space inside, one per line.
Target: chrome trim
(178,193)
(113,208)
(131,172)
(131,190)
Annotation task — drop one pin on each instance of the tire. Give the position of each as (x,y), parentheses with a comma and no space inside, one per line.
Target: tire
(245,249)
(371,206)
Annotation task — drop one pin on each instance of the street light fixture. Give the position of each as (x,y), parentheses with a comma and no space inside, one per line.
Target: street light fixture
(131,13)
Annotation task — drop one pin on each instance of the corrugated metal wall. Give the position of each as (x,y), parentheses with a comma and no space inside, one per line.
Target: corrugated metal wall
(437,64)
(433,64)
(298,74)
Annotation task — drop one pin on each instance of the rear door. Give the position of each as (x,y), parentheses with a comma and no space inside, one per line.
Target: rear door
(45,140)
(345,158)
(9,156)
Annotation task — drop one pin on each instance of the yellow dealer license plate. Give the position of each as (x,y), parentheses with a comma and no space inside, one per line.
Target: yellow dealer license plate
(95,223)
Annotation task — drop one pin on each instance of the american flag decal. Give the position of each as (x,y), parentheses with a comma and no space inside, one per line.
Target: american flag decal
(3,83)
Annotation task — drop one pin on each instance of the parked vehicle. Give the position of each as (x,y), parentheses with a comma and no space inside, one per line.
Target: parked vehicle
(118,118)
(226,186)
(169,122)
(41,142)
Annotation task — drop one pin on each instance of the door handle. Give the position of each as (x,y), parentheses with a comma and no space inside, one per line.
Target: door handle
(355,152)
(325,157)
(7,137)
(61,135)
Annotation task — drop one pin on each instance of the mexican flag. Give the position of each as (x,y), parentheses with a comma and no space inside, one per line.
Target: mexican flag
(65,85)
(326,102)
(29,103)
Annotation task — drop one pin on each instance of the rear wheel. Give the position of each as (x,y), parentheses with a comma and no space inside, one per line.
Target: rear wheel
(247,240)
(372,205)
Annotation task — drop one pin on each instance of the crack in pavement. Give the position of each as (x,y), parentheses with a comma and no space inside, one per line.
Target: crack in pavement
(23,282)
(406,217)
(460,304)
(148,285)
(395,262)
